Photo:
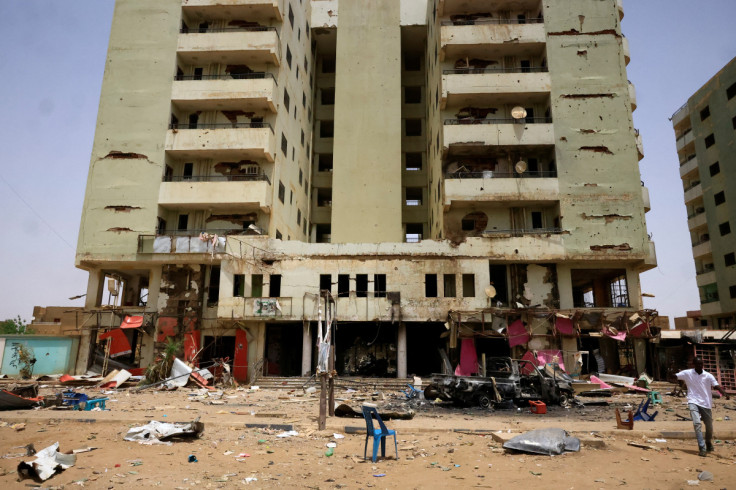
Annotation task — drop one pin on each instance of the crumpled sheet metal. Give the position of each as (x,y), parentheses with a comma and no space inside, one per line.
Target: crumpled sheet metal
(544,441)
(156,432)
(47,463)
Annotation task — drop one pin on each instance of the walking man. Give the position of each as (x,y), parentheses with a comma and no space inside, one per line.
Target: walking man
(700,401)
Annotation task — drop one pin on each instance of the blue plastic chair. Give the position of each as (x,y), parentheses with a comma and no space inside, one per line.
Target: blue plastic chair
(642,414)
(378,434)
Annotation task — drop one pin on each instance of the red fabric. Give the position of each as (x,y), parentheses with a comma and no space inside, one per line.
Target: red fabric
(65,377)
(640,330)
(166,326)
(468,359)
(564,326)
(191,346)
(137,371)
(526,367)
(119,342)
(517,334)
(132,322)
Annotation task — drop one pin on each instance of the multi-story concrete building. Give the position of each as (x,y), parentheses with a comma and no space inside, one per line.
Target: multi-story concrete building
(402,155)
(705,132)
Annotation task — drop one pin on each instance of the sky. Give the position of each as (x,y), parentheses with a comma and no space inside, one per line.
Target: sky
(53,57)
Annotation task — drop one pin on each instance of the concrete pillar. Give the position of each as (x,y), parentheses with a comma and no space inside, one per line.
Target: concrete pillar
(634,287)
(564,286)
(401,352)
(148,342)
(306,349)
(95,283)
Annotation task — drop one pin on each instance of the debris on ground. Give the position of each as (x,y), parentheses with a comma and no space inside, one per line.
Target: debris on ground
(544,441)
(48,461)
(160,432)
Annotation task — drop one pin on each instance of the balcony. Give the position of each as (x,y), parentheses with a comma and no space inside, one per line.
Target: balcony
(651,260)
(689,165)
(233,9)
(250,92)
(239,141)
(284,308)
(498,132)
(620,8)
(632,96)
(627,51)
(710,306)
(184,242)
(217,193)
(246,45)
(639,145)
(449,7)
(473,86)
(473,188)
(645,199)
(481,39)
(693,192)
(702,248)
(685,140)
(705,277)
(697,220)
(681,115)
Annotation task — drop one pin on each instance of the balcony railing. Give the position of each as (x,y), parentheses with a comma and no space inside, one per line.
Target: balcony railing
(242,125)
(489,174)
(695,213)
(486,21)
(711,298)
(701,241)
(205,30)
(705,269)
(677,112)
(509,120)
(691,157)
(684,133)
(516,69)
(216,178)
(226,76)
(692,186)
(198,231)
(524,232)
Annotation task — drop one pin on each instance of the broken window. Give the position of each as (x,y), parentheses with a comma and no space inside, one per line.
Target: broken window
(449,285)
(325,282)
(361,285)
(325,162)
(326,129)
(600,288)
(474,222)
(343,285)
(328,96)
(379,285)
(412,95)
(279,236)
(430,285)
(238,285)
(413,127)
(413,162)
(499,282)
(468,285)
(213,290)
(414,232)
(413,196)
(274,287)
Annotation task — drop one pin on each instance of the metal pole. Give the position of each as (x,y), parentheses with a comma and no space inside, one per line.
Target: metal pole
(331,394)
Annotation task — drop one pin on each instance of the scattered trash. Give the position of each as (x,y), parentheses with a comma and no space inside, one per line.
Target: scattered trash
(329,452)
(192,459)
(331,445)
(288,434)
(48,461)
(250,479)
(345,410)
(338,436)
(693,483)
(660,440)
(159,432)
(83,450)
(544,441)
(380,475)
(705,476)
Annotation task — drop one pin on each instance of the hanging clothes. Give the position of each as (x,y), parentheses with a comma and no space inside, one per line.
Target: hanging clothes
(468,359)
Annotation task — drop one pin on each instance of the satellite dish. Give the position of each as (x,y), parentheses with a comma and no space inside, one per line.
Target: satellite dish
(491,292)
(518,112)
(520,167)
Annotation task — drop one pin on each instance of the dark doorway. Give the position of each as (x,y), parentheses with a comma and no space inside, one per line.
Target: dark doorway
(283,350)
(366,349)
(422,348)
(218,347)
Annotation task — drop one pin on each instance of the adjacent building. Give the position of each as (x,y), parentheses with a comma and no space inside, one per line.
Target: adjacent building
(705,130)
(434,169)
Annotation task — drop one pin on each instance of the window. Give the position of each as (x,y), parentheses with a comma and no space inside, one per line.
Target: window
(328,65)
(282,192)
(412,95)
(188,171)
(302,143)
(448,281)
(413,162)
(279,236)
(287,99)
(724,228)
(705,113)
(732,291)
(730,259)
(343,285)
(256,285)
(719,198)
(413,127)
(379,285)
(413,196)
(361,285)
(291,16)
(298,217)
(274,286)
(324,197)
(414,232)
(326,129)
(412,62)
(304,100)
(715,169)
(731,91)
(288,56)
(733,122)
(325,162)
(183,222)
(213,291)
(238,286)
(160,225)
(291,197)
(467,225)
(301,176)
(325,282)
(430,285)
(537,221)
(284,145)
(305,225)
(468,285)
(306,64)
(710,140)
(328,96)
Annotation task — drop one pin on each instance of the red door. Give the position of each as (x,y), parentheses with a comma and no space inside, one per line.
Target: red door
(191,345)
(240,361)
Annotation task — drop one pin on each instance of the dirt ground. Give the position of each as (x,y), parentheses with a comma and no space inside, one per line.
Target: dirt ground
(442,446)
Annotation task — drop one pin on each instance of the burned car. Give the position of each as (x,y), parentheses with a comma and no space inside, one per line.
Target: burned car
(517,380)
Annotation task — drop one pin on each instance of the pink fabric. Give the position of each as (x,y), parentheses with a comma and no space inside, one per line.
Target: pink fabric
(517,334)
(596,380)
(637,388)
(468,359)
(564,326)
(621,336)
(550,356)
(639,330)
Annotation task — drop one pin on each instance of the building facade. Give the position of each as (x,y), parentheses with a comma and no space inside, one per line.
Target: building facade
(705,131)
(428,166)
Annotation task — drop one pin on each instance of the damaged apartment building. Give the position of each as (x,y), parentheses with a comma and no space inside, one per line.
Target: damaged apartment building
(437,170)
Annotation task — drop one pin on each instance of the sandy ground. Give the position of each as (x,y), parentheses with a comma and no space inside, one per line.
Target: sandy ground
(443,446)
